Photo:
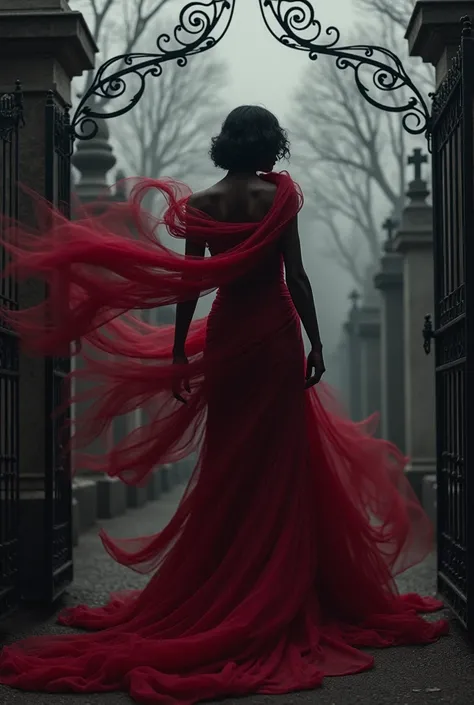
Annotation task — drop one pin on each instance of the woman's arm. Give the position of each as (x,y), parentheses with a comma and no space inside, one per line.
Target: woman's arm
(185,310)
(299,284)
(300,290)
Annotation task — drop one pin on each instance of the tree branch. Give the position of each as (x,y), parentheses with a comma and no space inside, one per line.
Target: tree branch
(398,13)
(136,20)
(168,131)
(354,153)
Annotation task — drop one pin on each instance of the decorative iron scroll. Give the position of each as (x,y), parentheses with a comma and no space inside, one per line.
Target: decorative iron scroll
(201,26)
(295,25)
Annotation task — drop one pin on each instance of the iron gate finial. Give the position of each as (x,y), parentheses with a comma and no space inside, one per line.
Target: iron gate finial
(466,26)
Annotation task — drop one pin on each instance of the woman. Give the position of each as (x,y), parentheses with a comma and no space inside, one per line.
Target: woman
(290,502)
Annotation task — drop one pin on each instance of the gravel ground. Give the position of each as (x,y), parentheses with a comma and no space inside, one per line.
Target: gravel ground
(441,673)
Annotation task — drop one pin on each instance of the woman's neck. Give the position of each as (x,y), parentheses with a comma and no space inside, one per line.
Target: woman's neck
(241,175)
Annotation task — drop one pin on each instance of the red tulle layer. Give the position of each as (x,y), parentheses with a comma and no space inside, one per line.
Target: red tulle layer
(280,561)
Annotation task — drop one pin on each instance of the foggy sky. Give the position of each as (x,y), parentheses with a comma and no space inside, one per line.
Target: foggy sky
(262,70)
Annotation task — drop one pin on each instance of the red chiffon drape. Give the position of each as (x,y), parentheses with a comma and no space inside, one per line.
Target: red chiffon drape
(280,561)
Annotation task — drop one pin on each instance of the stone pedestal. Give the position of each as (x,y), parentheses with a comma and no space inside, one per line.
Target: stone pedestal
(136,496)
(85,493)
(187,466)
(111,497)
(166,476)
(414,241)
(154,486)
(389,281)
(433,32)
(44,45)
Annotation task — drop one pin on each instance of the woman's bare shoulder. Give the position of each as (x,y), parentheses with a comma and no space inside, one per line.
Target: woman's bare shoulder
(202,200)
(266,190)
(210,201)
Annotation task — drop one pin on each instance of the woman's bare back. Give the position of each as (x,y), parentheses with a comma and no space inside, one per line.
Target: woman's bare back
(236,200)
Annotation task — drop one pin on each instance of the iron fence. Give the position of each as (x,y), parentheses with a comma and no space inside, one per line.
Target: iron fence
(453,202)
(11,115)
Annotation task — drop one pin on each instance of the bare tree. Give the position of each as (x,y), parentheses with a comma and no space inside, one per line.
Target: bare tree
(398,13)
(118,26)
(348,145)
(394,18)
(165,132)
(355,154)
(169,130)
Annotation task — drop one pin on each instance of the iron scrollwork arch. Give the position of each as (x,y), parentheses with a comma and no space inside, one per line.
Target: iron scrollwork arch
(294,24)
(201,27)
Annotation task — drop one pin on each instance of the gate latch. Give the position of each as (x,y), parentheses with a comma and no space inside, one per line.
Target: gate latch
(428,334)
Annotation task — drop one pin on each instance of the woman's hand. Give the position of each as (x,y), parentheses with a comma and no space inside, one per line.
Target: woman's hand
(314,368)
(180,384)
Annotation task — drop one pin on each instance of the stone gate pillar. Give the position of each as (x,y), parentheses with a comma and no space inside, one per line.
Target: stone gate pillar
(434,31)
(414,241)
(44,45)
(97,497)
(389,281)
(434,34)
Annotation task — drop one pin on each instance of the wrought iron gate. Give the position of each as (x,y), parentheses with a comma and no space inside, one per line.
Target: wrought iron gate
(11,110)
(58,489)
(201,26)
(453,203)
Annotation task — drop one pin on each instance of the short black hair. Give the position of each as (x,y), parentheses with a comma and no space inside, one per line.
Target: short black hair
(250,140)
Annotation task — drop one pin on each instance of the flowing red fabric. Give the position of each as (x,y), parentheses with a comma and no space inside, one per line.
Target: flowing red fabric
(279,564)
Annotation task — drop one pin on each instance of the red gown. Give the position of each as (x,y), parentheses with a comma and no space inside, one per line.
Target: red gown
(279,563)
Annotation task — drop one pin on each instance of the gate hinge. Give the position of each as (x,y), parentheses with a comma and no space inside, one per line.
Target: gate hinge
(428,334)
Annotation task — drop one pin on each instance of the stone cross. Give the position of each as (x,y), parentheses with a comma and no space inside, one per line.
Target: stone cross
(417,160)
